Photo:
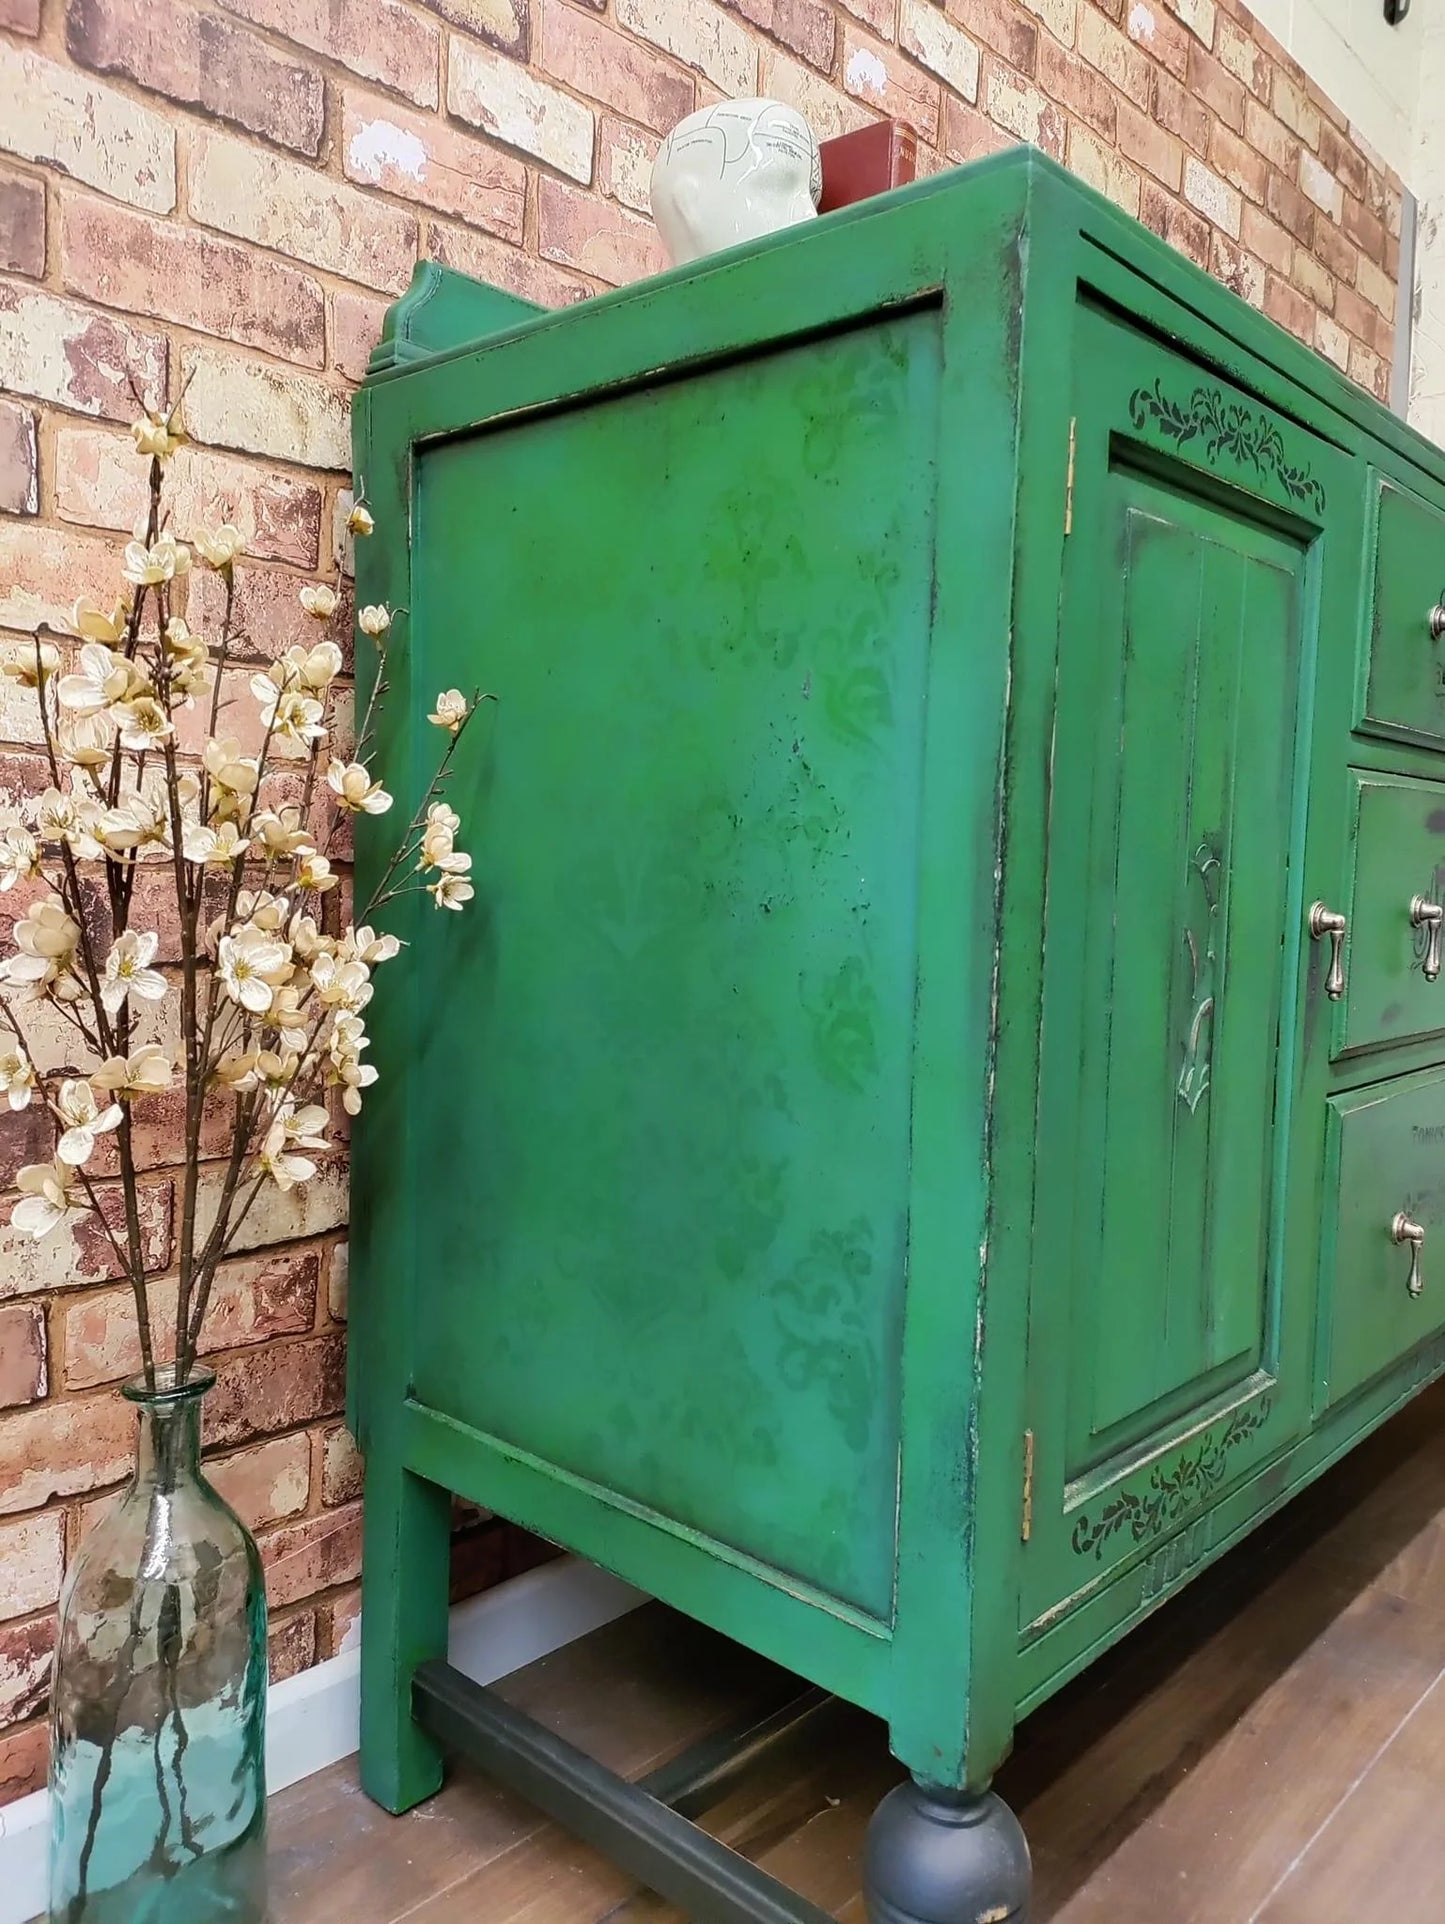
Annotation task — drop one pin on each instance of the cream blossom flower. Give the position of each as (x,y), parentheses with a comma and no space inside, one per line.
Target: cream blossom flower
(360,521)
(30,663)
(374,619)
(158,435)
(86,741)
(45,942)
(44,1198)
(280,1161)
(19,854)
(319,601)
(251,963)
(287,712)
(307,940)
(91,621)
(128,972)
(220,548)
(276,1068)
(313,873)
(341,985)
(162,561)
(451,710)
(354,789)
(213,847)
(230,771)
(102,679)
(450,891)
(236,1070)
(345,1069)
(149,1072)
(280,834)
(365,945)
(17,1077)
(144,724)
(287,1018)
(84,1120)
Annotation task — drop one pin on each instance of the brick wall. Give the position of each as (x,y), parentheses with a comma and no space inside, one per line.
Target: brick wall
(229,195)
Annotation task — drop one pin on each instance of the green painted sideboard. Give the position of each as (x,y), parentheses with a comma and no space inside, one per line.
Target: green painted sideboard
(934,1124)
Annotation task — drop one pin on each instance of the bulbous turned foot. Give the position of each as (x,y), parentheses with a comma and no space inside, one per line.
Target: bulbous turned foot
(945,1857)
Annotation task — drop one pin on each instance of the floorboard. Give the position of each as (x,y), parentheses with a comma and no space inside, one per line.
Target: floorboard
(1269,1749)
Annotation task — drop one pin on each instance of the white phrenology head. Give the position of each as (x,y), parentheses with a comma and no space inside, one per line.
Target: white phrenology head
(731,173)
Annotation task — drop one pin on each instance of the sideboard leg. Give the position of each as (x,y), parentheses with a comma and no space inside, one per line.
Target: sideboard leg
(404,1581)
(945,1857)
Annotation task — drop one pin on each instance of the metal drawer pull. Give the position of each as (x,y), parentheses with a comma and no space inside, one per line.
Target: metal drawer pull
(1403,1230)
(1437,618)
(1425,914)
(1327,922)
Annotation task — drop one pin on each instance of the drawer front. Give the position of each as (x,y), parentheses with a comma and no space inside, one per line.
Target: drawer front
(1405,677)
(1398,870)
(1385,1159)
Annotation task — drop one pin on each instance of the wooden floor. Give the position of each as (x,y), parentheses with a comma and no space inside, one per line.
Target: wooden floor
(1270,1747)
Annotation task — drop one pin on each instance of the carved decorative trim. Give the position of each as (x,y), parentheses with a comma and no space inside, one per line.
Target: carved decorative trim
(1226,427)
(1169,1495)
(1193,1084)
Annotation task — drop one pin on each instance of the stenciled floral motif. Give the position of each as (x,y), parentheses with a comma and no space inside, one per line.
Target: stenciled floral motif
(1226,427)
(1169,1495)
(824,1337)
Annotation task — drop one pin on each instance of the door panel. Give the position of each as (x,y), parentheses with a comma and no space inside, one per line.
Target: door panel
(1397,851)
(1171,955)
(1405,671)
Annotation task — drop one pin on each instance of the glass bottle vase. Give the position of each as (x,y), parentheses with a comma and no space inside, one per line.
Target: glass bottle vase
(158,1699)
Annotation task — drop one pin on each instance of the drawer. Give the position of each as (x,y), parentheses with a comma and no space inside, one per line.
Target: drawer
(1397,854)
(1384,1158)
(1404,692)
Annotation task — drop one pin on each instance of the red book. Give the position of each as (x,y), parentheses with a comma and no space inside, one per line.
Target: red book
(856,166)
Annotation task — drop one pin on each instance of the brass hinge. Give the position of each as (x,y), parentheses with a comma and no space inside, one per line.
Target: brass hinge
(1026,1528)
(1069,484)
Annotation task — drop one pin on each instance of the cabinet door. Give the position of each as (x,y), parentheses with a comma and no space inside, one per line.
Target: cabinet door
(1168,1353)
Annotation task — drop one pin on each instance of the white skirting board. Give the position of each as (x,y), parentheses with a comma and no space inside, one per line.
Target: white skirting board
(313,1720)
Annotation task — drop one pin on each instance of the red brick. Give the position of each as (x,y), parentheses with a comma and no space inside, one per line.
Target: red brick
(968,134)
(276,1386)
(1378,288)
(421,158)
(580,231)
(61,352)
(1021,110)
(1290,207)
(1312,280)
(19,460)
(1286,305)
(1344,160)
(22,223)
(1199,16)
(100,482)
(1271,138)
(32,1561)
(1176,109)
(23,1358)
(267,617)
(1364,230)
(356,321)
(806,26)
(881,77)
(1356,314)
(303,1559)
(1175,223)
(378,39)
(201,59)
(625,155)
(1220,91)
(266,1483)
(1145,141)
(1369,370)
(1292,105)
(341,1467)
(1267,238)
(80,1252)
(64,1449)
(493,260)
(339,1623)
(1159,33)
(254,1299)
(1001,25)
(1237,162)
(1104,168)
(1213,197)
(880,15)
(1241,54)
(291,1645)
(503,24)
(25,1750)
(1326,107)
(1114,55)
(1073,83)
(142,265)
(1332,340)
(20,16)
(608,66)
(25,1654)
(1337,253)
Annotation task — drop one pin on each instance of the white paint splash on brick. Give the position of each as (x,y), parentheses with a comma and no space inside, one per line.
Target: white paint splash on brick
(381,144)
(866,72)
(1142,24)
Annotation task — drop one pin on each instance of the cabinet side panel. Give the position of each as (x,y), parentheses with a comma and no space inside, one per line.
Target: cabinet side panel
(672,1047)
